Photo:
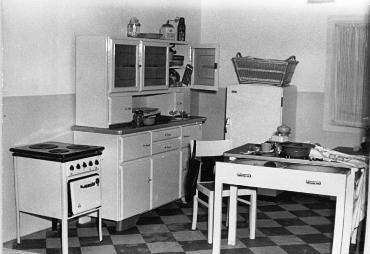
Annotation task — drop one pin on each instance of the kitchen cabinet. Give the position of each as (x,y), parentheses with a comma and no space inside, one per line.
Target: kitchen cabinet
(119,109)
(135,192)
(135,146)
(204,58)
(188,132)
(122,65)
(142,170)
(165,178)
(111,72)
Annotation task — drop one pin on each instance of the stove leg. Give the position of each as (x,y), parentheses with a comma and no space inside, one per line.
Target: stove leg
(18,227)
(100,225)
(54,224)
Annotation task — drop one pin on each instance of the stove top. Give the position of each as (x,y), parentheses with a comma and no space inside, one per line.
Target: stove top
(57,151)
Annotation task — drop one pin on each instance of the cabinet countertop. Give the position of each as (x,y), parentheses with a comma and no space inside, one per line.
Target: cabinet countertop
(130,129)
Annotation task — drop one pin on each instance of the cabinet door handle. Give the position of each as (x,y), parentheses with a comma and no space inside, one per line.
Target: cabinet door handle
(149,180)
(186,136)
(313,182)
(167,134)
(167,147)
(146,145)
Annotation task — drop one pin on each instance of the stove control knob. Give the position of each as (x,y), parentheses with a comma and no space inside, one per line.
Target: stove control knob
(78,166)
(84,165)
(90,163)
(71,168)
(96,162)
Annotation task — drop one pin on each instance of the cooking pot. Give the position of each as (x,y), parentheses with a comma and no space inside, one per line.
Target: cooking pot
(296,150)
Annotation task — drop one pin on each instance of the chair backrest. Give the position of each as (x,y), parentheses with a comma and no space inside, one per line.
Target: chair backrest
(206,148)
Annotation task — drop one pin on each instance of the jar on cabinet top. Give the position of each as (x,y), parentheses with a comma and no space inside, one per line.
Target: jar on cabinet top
(133,27)
(168,31)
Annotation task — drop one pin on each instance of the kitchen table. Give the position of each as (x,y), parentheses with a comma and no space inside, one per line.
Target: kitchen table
(325,178)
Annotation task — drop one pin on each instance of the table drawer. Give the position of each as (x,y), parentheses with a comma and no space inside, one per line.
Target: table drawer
(281,178)
(135,146)
(165,146)
(158,135)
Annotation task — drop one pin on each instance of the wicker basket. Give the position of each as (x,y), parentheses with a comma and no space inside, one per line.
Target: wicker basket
(251,70)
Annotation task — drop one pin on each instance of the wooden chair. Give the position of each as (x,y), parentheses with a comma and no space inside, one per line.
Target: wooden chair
(217,148)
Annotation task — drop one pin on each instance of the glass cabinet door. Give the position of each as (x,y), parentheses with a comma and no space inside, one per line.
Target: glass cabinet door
(125,67)
(155,67)
(205,73)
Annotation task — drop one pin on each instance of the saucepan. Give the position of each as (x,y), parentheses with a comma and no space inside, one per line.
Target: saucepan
(296,150)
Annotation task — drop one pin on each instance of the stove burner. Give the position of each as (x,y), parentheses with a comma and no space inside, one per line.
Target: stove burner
(79,147)
(58,151)
(43,146)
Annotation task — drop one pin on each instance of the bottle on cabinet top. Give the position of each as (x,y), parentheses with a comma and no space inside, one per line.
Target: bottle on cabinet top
(181,30)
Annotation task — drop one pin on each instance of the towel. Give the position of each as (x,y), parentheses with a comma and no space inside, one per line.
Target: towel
(359,162)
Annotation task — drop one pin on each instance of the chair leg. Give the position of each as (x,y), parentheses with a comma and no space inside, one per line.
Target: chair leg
(210,216)
(252,216)
(195,211)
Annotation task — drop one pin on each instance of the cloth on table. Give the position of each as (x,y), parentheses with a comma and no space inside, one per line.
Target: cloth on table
(359,162)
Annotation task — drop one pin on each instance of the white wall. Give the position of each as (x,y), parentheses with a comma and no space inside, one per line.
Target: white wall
(278,29)
(39,69)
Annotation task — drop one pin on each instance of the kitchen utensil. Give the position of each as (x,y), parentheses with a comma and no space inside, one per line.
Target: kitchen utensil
(149,120)
(138,118)
(266,147)
(186,78)
(296,150)
(174,77)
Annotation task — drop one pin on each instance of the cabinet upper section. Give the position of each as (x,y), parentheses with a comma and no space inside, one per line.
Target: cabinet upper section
(134,65)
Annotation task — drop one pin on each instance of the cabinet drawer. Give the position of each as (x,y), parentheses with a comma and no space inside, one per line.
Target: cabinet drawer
(169,145)
(166,134)
(136,146)
(191,132)
(326,183)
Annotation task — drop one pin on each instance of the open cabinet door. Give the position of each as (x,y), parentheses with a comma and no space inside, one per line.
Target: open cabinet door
(205,59)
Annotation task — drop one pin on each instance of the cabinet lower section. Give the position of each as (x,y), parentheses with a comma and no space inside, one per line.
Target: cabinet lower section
(136,175)
(165,178)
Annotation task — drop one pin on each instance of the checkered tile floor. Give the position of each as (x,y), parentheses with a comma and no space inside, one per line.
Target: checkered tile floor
(291,223)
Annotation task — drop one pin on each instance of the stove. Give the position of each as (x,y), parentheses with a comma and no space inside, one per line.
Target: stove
(59,181)
(57,151)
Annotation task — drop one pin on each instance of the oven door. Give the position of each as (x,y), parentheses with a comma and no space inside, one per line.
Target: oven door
(84,193)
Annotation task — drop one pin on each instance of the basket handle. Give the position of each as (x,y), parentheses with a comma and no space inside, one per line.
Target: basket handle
(238,55)
(291,59)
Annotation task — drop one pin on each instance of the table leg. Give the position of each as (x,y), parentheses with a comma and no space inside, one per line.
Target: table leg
(348,212)
(217,217)
(338,222)
(65,236)
(232,215)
